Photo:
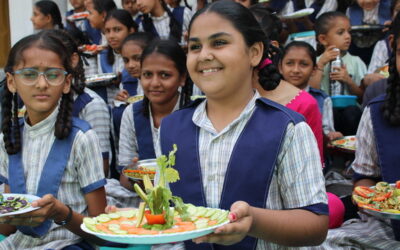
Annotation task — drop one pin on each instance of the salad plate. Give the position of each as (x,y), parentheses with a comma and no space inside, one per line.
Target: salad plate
(381,200)
(134,98)
(346,143)
(13,204)
(299,13)
(78,16)
(143,167)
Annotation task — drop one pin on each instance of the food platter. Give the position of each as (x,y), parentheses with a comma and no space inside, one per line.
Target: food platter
(91,49)
(143,167)
(299,13)
(100,80)
(154,237)
(347,143)
(134,98)
(379,201)
(22,200)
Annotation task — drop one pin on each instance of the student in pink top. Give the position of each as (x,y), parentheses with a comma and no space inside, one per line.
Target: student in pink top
(298,100)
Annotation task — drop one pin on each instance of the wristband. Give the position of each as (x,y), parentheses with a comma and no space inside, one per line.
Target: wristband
(67,219)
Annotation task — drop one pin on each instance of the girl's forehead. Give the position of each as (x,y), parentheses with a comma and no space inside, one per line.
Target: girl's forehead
(339,22)
(39,57)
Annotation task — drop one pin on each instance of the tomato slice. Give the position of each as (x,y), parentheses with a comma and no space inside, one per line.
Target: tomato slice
(365,192)
(154,218)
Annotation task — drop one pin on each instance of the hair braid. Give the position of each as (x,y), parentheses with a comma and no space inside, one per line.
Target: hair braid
(145,106)
(10,123)
(63,124)
(269,76)
(186,93)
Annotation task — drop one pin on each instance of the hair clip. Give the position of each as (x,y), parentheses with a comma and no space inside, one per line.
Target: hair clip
(264,63)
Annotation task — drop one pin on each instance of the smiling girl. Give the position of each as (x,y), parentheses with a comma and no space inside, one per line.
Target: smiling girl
(48,153)
(238,151)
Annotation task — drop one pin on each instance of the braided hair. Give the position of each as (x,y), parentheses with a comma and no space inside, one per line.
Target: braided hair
(78,72)
(244,21)
(391,106)
(174,26)
(323,24)
(175,53)
(10,122)
(50,8)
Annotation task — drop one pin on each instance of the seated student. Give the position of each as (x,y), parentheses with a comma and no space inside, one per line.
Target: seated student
(87,105)
(162,21)
(382,50)
(166,89)
(220,164)
(333,34)
(48,153)
(131,52)
(376,159)
(46,15)
(364,12)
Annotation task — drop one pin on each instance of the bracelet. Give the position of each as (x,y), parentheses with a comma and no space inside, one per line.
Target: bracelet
(67,219)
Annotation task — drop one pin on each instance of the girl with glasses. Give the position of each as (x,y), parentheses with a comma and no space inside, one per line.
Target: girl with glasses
(48,153)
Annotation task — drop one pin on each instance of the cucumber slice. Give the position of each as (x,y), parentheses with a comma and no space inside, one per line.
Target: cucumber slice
(114,216)
(140,216)
(223,217)
(216,215)
(201,223)
(201,211)
(102,218)
(128,213)
(114,227)
(120,232)
(210,212)
(89,221)
(92,227)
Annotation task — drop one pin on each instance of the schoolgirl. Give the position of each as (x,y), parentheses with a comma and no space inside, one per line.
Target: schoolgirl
(162,21)
(131,51)
(46,15)
(97,12)
(48,153)
(118,24)
(87,105)
(241,152)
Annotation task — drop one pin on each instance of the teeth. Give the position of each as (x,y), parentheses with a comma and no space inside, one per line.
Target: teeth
(209,70)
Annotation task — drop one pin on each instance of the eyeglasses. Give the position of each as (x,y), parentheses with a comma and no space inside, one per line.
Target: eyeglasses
(30,76)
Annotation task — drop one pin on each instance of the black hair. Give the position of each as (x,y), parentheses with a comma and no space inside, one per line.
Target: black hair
(323,24)
(244,21)
(301,44)
(268,20)
(78,73)
(10,123)
(391,106)
(50,8)
(104,5)
(124,17)
(172,50)
(142,39)
(174,26)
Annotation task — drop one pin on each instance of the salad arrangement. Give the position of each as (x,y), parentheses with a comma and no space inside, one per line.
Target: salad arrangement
(12,204)
(383,197)
(155,215)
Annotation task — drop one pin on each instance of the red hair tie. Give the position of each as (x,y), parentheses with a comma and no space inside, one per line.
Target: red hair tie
(264,63)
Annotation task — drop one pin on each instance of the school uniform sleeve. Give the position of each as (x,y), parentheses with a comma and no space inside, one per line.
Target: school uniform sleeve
(187,16)
(329,5)
(3,162)
(365,164)
(379,56)
(299,171)
(357,70)
(88,161)
(97,115)
(327,116)
(128,148)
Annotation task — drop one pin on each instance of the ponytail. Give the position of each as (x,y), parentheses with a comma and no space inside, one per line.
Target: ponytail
(268,73)
(174,26)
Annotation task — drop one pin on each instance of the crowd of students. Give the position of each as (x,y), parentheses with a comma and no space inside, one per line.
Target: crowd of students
(256,142)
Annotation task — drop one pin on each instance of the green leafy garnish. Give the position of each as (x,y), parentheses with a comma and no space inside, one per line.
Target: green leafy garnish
(159,198)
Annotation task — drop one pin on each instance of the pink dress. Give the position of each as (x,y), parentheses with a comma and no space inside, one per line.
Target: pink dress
(305,104)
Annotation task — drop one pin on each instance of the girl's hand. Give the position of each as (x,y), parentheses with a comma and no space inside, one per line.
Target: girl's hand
(329,55)
(122,96)
(240,223)
(340,74)
(334,135)
(50,208)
